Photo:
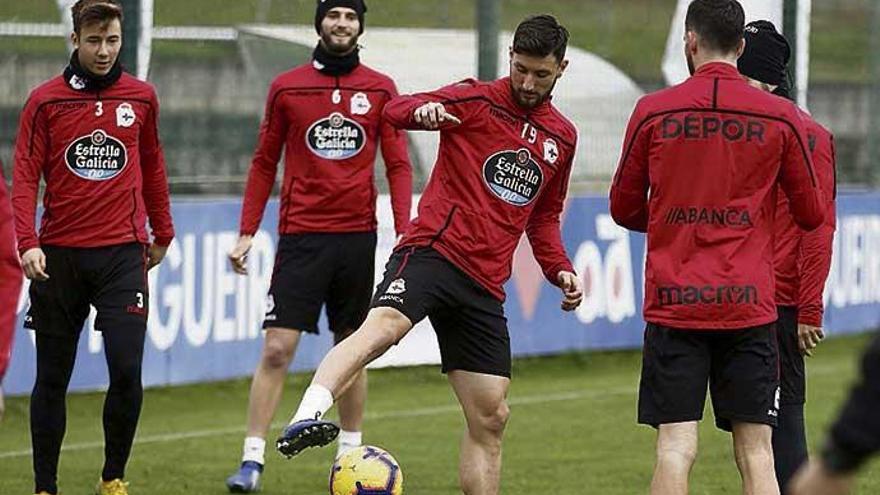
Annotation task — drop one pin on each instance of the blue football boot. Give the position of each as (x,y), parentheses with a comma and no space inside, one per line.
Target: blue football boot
(247,479)
(306,433)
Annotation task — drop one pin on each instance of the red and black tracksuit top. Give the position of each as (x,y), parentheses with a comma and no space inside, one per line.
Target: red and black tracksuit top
(330,128)
(100,156)
(803,259)
(699,172)
(10,277)
(503,171)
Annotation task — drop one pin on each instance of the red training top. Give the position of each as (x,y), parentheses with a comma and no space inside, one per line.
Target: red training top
(710,151)
(503,171)
(10,277)
(100,156)
(329,128)
(803,259)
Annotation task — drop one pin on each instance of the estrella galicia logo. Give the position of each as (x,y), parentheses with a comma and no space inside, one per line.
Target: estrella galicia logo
(513,176)
(336,137)
(96,156)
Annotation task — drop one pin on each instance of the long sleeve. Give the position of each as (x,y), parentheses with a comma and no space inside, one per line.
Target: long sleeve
(798,180)
(31,149)
(155,178)
(814,256)
(629,190)
(399,111)
(398,170)
(264,165)
(543,228)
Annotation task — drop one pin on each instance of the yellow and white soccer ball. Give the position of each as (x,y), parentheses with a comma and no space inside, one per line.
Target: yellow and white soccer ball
(366,470)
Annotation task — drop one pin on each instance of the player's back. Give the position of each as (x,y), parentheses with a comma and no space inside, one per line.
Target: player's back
(714,147)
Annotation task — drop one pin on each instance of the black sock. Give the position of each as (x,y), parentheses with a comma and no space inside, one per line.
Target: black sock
(124,350)
(55,359)
(789,443)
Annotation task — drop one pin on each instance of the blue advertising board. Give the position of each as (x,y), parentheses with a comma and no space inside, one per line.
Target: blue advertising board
(205,321)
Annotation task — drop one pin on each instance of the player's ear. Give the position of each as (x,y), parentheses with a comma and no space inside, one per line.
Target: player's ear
(562,66)
(740,48)
(690,41)
(74,39)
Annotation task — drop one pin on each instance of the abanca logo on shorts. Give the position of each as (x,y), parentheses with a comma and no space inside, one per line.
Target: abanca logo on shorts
(513,176)
(336,137)
(97,156)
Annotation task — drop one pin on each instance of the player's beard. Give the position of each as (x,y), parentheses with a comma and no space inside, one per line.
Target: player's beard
(519,96)
(338,48)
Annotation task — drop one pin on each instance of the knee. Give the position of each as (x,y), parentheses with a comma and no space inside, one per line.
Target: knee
(677,453)
(277,352)
(491,421)
(276,356)
(126,375)
(387,327)
(754,453)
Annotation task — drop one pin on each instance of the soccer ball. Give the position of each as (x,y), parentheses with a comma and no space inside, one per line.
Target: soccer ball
(366,471)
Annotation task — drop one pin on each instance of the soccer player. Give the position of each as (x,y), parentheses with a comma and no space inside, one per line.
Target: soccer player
(10,282)
(802,259)
(699,173)
(854,437)
(91,133)
(327,116)
(502,169)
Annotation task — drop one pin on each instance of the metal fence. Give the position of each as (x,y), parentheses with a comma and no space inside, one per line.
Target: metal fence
(212,97)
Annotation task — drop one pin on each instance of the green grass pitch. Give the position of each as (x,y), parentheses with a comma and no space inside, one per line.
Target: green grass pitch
(572,431)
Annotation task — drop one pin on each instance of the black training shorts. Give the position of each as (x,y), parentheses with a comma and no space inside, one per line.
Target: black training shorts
(470,323)
(322,268)
(113,279)
(741,368)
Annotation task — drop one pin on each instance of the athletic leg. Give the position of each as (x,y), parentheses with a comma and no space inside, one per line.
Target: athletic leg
(789,436)
(124,350)
(383,328)
(351,406)
(676,454)
(56,355)
(267,386)
(754,458)
(118,275)
(59,307)
(483,400)
(745,393)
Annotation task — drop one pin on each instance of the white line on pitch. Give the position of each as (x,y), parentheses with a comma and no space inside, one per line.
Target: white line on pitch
(412,413)
(817,369)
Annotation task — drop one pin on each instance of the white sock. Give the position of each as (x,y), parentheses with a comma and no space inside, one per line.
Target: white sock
(348,440)
(254,450)
(314,405)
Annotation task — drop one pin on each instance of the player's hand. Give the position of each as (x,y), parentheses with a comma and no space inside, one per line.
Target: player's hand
(432,115)
(33,262)
(155,255)
(808,338)
(572,290)
(238,255)
(815,479)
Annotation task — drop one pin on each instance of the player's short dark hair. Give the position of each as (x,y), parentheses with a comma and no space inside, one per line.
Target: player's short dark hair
(86,12)
(720,23)
(539,36)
